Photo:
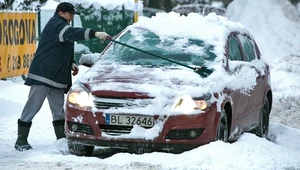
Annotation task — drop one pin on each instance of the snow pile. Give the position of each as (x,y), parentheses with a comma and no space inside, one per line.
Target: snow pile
(286,87)
(277,33)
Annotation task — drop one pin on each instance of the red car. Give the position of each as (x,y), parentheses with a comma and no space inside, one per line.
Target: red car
(170,91)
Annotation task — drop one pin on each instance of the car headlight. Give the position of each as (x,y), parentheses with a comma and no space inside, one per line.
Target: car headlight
(186,104)
(80,95)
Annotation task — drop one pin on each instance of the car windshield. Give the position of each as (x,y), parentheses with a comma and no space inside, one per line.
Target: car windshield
(186,51)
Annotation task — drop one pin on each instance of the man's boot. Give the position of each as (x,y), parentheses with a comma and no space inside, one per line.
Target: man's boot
(59,128)
(23,131)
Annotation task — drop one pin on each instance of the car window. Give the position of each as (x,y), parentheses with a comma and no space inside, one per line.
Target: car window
(234,50)
(183,50)
(248,47)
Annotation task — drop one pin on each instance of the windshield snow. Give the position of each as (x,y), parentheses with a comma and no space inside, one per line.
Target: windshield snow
(183,50)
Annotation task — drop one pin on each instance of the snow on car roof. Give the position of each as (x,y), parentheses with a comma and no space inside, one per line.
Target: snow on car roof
(212,29)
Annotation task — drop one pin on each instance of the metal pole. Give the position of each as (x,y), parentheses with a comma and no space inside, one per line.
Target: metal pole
(136,9)
(39,25)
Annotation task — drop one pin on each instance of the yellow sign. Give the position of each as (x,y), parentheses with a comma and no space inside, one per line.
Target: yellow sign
(17,42)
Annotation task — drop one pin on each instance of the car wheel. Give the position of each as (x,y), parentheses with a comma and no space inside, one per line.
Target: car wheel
(80,150)
(263,127)
(222,130)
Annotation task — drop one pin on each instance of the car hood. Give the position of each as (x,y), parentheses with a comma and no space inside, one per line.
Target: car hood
(152,81)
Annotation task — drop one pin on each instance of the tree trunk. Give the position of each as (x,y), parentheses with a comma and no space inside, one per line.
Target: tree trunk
(168,5)
(155,4)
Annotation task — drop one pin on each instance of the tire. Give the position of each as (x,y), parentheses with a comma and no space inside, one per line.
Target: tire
(223,129)
(263,126)
(80,150)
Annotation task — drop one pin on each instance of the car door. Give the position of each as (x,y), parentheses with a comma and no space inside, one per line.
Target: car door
(240,100)
(257,93)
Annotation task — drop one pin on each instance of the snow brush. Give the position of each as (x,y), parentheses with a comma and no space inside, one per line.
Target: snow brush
(195,69)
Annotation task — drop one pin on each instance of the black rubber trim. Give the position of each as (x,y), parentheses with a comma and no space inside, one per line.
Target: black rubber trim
(152,147)
(58,122)
(24,124)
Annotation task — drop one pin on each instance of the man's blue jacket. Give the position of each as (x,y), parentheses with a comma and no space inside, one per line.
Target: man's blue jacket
(52,63)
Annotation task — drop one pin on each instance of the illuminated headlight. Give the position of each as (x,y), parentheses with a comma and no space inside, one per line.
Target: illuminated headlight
(80,95)
(186,104)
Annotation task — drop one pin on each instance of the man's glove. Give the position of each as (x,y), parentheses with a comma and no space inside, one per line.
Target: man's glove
(101,35)
(75,69)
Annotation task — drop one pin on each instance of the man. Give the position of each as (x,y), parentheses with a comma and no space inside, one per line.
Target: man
(50,71)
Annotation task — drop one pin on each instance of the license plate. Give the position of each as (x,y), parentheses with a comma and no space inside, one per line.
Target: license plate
(129,120)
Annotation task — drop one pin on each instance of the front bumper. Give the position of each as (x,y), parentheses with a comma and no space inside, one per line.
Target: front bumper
(91,133)
(136,147)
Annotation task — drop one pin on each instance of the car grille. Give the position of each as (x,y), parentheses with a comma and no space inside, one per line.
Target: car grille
(116,130)
(107,103)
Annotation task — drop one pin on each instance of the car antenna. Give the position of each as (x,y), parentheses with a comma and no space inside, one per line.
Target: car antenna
(196,69)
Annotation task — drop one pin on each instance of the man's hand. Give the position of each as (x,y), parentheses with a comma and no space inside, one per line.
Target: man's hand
(101,35)
(75,69)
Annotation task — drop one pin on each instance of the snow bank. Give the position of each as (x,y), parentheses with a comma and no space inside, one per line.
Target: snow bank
(275,25)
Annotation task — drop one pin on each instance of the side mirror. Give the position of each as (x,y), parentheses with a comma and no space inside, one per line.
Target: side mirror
(88,60)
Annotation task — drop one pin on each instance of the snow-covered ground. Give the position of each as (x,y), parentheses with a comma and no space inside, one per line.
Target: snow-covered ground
(276,30)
